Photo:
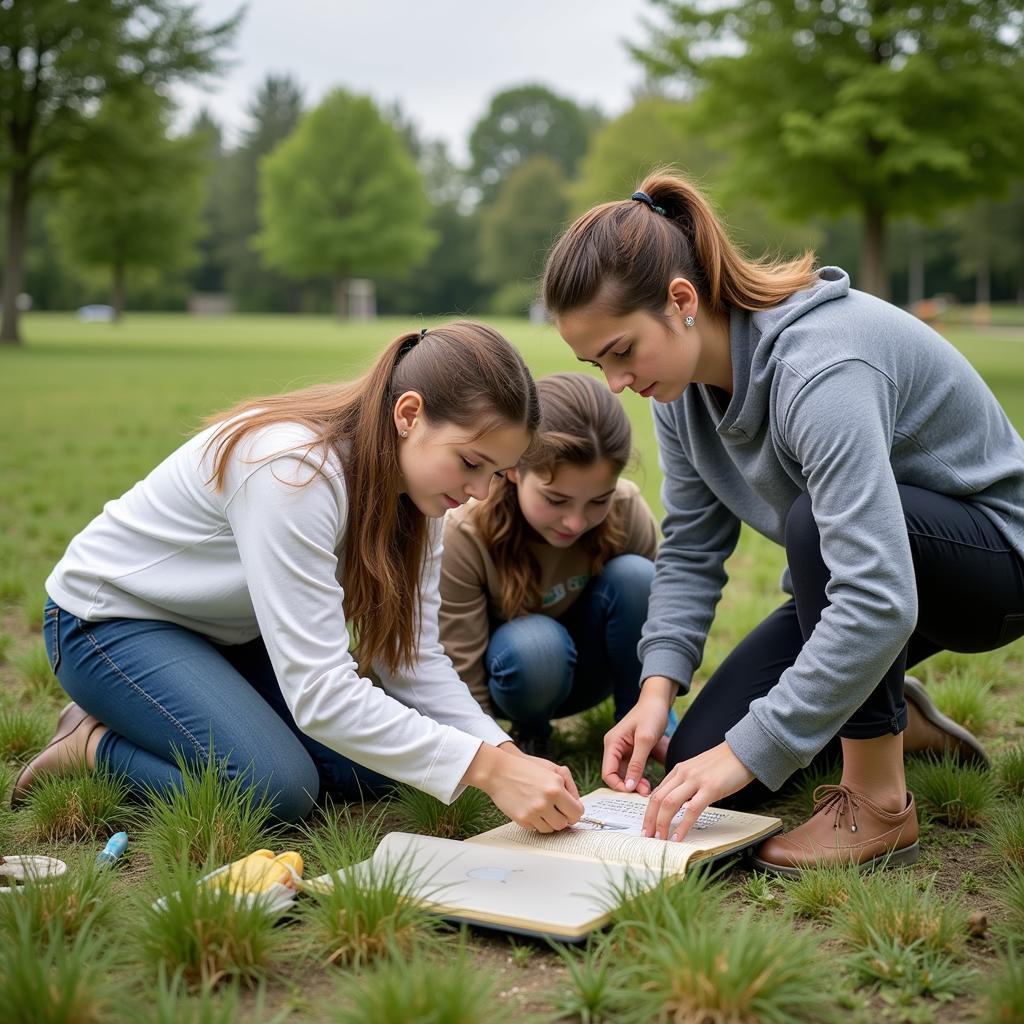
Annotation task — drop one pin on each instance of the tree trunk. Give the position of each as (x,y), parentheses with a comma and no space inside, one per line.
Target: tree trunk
(873,275)
(117,291)
(14,260)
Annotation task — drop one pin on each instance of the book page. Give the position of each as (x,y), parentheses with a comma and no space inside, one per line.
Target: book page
(508,887)
(613,834)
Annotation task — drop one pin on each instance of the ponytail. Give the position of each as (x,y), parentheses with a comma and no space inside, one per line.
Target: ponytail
(468,375)
(625,253)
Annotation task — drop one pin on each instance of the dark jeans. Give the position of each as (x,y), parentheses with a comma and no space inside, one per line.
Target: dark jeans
(164,690)
(970,587)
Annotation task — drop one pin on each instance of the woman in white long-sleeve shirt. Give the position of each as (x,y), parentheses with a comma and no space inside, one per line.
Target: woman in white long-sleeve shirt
(232,602)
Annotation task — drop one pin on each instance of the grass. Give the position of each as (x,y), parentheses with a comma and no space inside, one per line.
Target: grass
(77,804)
(23,732)
(1005,1001)
(1009,768)
(471,814)
(1004,833)
(424,989)
(86,411)
(958,795)
(966,698)
(897,906)
(211,819)
(366,915)
(203,931)
(816,895)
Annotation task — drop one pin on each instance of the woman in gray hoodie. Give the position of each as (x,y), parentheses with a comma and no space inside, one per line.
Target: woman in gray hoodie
(843,429)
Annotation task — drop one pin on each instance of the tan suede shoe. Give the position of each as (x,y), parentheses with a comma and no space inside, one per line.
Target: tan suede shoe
(929,731)
(74,727)
(845,828)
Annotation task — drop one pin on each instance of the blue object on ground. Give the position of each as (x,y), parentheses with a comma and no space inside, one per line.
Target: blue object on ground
(116,845)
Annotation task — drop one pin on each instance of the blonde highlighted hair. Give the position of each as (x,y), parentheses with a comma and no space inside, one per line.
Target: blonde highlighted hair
(468,375)
(625,253)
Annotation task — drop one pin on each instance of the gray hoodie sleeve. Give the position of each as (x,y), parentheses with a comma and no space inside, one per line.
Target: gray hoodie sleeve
(838,427)
(699,534)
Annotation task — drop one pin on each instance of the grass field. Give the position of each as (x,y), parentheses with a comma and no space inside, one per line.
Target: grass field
(86,410)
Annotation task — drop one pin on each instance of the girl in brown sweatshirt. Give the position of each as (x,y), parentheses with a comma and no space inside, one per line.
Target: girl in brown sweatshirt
(544,584)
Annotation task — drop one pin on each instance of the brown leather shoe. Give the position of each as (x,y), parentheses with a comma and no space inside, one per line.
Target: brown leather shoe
(929,731)
(845,828)
(74,727)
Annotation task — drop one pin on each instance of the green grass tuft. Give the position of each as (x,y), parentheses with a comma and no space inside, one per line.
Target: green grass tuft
(367,914)
(211,819)
(69,903)
(78,803)
(455,991)
(334,838)
(1003,833)
(34,668)
(958,795)
(1011,892)
(23,732)
(469,815)
(965,697)
(203,931)
(718,968)
(1010,770)
(1005,1003)
(49,978)
(817,892)
(895,905)
(914,970)
(591,994)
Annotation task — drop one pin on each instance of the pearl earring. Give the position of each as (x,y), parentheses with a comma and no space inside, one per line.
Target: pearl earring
(689,321)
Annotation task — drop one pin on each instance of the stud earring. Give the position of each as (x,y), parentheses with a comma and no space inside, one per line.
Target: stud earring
(405,433)
(689,321)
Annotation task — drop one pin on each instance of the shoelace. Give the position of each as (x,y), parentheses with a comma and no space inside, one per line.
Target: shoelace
(837,798)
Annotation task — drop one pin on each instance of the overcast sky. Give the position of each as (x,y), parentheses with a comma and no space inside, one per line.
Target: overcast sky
(441,59)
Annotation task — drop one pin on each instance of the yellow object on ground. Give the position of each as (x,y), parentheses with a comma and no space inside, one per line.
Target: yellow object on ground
(259,871)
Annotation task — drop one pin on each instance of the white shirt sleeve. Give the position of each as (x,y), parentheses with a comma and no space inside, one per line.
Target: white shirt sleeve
(287,529)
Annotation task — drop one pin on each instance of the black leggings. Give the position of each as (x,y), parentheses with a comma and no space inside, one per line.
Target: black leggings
(970,587)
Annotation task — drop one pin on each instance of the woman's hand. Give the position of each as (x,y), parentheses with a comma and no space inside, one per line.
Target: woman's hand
(698,783)
(562,770)
(629,743)
(533,792)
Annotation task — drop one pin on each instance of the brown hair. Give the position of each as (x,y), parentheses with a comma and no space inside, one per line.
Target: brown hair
(467,375)
(581,423)
(628,253)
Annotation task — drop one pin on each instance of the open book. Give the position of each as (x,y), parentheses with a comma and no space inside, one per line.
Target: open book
(560,885)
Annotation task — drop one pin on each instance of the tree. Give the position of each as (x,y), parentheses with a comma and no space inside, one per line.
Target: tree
(886,107)
(517,230)
(273,114)
(138,205)
(342,197)
(659,132)
(525,122)
(57,61)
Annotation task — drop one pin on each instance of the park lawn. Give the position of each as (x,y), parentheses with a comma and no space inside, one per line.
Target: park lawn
(86,410)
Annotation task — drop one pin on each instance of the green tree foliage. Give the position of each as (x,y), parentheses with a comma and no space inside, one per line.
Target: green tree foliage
(273,114)
(57,61)
(525,122)
(885,107)
(136,203)
(342,197)
(517,230)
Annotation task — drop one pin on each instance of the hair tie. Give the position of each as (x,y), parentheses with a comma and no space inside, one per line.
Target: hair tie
(643,197)
(409,344)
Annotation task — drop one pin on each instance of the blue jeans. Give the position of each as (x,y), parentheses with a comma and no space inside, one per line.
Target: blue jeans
(162,689)
(540,668)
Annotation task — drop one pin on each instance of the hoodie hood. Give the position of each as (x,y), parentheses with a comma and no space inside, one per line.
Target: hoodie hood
(752,337)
